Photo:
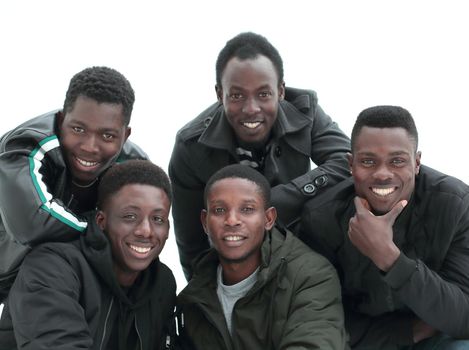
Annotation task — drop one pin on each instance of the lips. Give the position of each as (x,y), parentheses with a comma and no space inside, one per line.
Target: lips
(251,125)
(383,192)
(139,250)
(86,163)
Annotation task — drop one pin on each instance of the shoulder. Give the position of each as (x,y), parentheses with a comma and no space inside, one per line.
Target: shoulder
(197,126)
(36,130)
(440,189)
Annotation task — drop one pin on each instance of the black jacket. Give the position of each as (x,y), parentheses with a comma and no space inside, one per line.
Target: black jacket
(302,133)
(36,204)
(429,281)
(66,296)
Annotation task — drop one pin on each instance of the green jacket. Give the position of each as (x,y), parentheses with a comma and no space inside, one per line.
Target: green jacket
(295,302)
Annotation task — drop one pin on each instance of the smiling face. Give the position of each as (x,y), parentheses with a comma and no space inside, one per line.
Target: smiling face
(91,136)
(384,165)
(236,220)
(135,219)
(250,93)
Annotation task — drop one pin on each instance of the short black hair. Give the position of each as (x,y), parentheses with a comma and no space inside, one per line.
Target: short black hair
(135,171)
(104,85)
(242,172)
(385,117)
(248,45)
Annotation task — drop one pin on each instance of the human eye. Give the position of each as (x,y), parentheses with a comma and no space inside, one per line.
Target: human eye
(236,96)
(265,94)
(158,219)
(129,217)
(78,129)
(218,210)
(367,162)
(108,136)
(247,209)
(398,162)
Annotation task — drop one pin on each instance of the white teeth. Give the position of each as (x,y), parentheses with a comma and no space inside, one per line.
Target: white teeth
(86,163)
(233,238)
(383,191)
(251,125)
(141,250)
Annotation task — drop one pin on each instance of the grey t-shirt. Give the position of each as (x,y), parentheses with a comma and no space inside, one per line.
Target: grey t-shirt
(229,295)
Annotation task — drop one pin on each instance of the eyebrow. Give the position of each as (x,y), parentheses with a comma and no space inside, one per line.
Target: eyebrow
(371,154)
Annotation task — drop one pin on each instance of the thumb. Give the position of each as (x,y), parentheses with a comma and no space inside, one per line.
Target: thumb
(396,210)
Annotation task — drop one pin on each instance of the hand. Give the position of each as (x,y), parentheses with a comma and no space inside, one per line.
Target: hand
(372,235)
(422,330)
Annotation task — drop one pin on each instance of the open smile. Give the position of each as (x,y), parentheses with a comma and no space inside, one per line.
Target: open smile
(251,125)
(140,251)
(383,192)
(86,163)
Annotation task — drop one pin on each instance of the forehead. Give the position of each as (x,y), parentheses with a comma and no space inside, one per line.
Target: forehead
(258,71)
(86,110)
(234,188)
(141,196)
(371,139)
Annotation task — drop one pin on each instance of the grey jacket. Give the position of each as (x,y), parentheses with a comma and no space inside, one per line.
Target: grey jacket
(429,281)
(302,133)
(36,204)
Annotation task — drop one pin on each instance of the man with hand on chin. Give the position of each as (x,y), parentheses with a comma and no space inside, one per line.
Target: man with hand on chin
(258,287)
(107,290)
(398,234)
(50,165)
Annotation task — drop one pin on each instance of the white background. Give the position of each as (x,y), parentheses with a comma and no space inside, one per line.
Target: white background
(355,54)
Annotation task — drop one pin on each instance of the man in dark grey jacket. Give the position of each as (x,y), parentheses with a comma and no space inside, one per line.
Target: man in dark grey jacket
(50,165)
(258,122)
(398,233)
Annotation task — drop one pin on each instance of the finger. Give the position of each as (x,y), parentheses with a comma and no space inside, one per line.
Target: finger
(395,211)
(361,205)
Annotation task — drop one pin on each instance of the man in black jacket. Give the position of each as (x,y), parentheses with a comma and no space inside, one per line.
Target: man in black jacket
(398,233)
(50,165)
(258,122)
(107,290)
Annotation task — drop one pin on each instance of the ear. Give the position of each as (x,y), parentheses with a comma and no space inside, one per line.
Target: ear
(100,219)
(270,216)
(219,92)
(203,220)
(128,131)
(60,116)
(418,156)
(281,91)
(350,160)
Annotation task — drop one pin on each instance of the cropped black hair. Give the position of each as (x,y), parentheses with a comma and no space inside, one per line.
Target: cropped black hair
(241,172)
(385,117)
(248,45)
(101,84)
(130,172)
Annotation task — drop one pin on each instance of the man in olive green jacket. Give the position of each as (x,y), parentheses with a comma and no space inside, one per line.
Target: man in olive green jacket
(259,287)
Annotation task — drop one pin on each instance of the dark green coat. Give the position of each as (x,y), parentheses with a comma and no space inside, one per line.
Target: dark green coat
(302,134)
(295,302)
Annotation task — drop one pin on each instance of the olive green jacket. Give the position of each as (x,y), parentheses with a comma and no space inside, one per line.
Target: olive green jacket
(295,303)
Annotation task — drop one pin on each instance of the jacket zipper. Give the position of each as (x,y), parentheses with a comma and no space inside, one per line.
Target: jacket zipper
(138,333)
(105,323)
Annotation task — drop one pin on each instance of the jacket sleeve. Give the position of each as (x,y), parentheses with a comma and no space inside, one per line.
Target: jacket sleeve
(441,298)
(329,148)
(29,212)
(316,319)
(188,195)
(44,304)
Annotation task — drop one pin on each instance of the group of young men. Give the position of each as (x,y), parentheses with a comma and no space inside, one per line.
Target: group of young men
(369,250)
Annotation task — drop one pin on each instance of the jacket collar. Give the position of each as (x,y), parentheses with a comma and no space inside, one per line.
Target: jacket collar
(291,125)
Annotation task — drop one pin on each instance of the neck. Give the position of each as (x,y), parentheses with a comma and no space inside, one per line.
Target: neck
(88,185)
(236,272)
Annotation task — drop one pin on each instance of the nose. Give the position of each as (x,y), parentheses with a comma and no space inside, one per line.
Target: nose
(143,229)
(383,173)
(90,144)
(251,106)
(231,218)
